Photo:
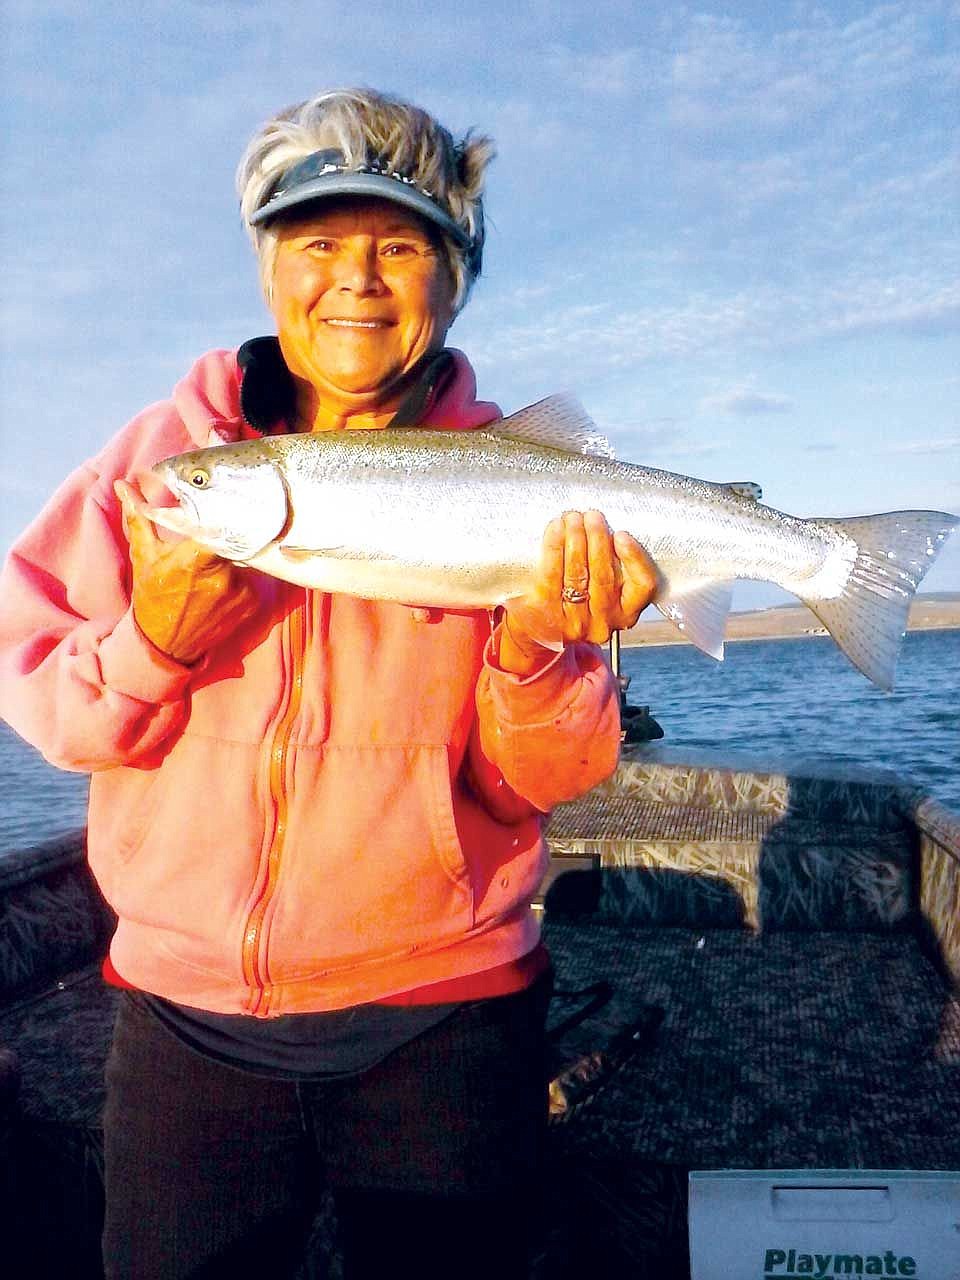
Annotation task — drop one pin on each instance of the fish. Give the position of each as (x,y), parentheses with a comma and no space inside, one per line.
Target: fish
(455,519)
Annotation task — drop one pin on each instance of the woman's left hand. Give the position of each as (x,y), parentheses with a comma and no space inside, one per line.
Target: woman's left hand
(591,582)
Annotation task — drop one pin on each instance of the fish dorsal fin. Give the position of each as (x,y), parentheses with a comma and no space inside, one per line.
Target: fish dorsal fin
(560,422)
(699,610)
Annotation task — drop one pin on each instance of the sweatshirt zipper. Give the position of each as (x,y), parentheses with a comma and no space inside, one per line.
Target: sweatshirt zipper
(255,970)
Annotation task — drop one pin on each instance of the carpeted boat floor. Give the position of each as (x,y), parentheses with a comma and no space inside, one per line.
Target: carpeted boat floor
(777,1050)
(789,1049)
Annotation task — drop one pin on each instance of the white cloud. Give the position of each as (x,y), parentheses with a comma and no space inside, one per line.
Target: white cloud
(667,438)
(723,78)
(923,447)
(613,73)
(746,401)
(550,334)
(727,76)
(922,307)
(689,448)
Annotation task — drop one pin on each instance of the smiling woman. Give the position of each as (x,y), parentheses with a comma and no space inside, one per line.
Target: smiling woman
(318,817)
(361,293)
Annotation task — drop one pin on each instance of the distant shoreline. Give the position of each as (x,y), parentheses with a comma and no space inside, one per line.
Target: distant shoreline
(789,622)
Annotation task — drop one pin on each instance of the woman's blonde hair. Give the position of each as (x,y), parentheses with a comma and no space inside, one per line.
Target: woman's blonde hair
(365,126)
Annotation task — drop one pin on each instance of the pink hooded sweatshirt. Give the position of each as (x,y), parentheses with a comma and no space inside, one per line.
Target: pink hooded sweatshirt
(341,803)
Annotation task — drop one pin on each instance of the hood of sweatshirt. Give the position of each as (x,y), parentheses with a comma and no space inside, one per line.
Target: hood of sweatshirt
(227,397)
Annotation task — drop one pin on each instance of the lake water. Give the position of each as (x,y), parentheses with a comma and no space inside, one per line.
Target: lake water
(775,700)
(801,701)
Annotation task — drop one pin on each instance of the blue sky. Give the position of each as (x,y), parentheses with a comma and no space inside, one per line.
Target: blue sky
(731,229)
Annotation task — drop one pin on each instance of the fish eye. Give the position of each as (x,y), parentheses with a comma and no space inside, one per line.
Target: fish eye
(199,478)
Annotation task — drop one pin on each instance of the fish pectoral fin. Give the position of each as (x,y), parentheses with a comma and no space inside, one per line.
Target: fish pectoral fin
(699,610)
(298,554)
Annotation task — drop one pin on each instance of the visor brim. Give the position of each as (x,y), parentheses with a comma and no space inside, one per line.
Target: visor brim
(371,185)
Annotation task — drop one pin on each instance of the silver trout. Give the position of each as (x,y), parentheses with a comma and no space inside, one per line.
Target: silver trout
(456,518)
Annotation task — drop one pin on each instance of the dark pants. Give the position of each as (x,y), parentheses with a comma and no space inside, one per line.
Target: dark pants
(433,1156)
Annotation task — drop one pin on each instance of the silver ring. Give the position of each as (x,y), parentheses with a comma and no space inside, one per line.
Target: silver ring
(571,595)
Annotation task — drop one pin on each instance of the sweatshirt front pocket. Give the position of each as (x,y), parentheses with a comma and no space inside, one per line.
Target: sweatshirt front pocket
(183,845)
(124,803)
(371,866)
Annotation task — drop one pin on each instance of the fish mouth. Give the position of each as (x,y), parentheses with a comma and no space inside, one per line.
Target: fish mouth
(176,519)
(188,507)
(184,517)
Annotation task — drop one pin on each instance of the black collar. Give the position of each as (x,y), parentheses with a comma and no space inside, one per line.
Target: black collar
(268,393)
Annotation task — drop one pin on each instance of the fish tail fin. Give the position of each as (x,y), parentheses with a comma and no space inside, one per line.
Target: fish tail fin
(868,618)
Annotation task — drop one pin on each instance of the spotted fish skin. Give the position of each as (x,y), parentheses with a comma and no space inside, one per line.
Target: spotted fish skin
(455,519)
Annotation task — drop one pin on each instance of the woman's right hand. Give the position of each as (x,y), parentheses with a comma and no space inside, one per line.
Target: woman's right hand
(186,600)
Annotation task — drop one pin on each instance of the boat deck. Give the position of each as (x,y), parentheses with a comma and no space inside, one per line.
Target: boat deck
(594,821)
(782,1050)
(782,947)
